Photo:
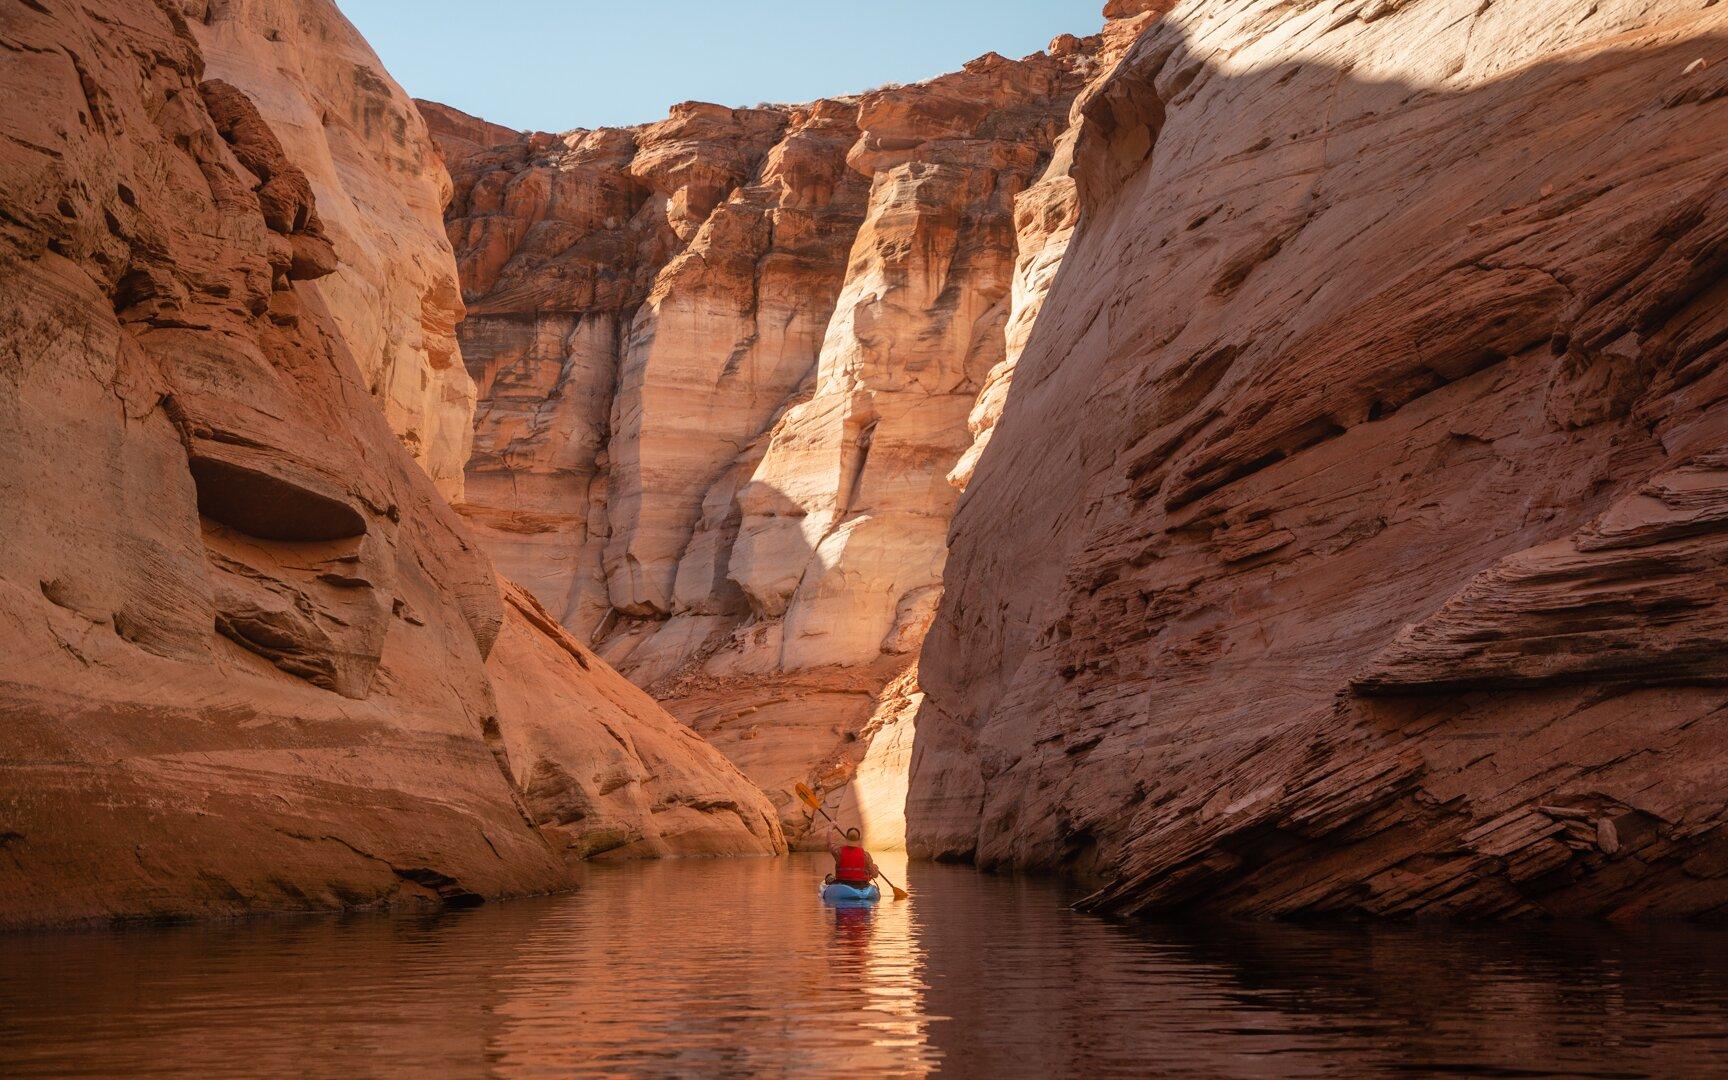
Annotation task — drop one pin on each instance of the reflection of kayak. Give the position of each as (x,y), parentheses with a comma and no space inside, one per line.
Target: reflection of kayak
(838,892)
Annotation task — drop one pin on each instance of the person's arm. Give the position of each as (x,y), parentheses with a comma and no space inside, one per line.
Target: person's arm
(833,848)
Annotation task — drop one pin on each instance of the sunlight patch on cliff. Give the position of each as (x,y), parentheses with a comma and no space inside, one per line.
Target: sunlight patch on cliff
(876,795)
(1437,44)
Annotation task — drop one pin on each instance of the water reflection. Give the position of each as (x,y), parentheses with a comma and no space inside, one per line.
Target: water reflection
(733,967)
(875,949)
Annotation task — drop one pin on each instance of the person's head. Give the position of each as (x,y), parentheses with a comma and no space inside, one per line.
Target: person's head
(853,835)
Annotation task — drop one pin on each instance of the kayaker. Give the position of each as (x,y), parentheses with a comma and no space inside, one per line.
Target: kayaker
(852,864)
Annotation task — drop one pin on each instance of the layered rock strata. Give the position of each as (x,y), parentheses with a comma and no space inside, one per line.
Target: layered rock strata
(725,365)
(249,659)
(1352,539)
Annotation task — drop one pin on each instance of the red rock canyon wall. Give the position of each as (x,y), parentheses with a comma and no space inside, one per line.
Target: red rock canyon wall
(1355,533)
(380,193)
(249,659)
(725,364)
(1269,458)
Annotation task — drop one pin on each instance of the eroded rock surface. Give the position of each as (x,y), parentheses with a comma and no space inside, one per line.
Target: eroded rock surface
(364,151)
(604,769)
(243,641)
(1351,540)
(726,363)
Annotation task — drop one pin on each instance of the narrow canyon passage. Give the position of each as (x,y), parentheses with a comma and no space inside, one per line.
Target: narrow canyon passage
(1264,459)
(1257,460)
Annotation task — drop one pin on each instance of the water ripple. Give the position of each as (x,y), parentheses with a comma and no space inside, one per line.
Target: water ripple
(732,968)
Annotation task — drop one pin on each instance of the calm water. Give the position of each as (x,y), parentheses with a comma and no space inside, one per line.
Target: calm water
(733,968)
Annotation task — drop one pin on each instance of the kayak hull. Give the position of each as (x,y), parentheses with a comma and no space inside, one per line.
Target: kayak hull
(838,893)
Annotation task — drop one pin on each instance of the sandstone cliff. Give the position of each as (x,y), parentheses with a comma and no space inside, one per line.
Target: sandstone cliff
(1352,539)
(248,657)
(380,193)
(725,365)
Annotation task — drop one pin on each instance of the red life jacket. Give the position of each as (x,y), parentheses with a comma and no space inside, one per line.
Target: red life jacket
(852,864)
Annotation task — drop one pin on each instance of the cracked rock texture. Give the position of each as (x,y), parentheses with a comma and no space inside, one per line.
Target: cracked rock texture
(1352,539)
(249,658)
(726,363)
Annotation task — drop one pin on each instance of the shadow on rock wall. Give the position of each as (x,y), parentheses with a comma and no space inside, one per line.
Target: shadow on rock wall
(1355,537)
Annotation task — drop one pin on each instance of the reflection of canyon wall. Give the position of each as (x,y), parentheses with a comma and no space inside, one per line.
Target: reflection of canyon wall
(1353,537)
(243,641)
(726,363)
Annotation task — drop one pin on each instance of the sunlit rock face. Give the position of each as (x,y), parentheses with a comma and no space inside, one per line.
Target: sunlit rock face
(380,192)
(1352,538)
(726,363)
(244,643)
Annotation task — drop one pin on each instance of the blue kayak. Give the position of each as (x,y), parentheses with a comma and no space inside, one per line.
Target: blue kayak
(839,892)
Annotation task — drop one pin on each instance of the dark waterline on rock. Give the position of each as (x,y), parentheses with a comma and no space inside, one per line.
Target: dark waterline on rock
(732,967)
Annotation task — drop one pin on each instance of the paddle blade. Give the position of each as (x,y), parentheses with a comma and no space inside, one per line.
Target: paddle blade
(807,797)
(899,893)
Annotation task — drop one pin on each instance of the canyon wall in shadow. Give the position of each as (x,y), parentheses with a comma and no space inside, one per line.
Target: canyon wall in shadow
(1355,535)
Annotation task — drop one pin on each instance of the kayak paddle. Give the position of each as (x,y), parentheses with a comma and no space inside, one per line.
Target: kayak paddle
(808,798)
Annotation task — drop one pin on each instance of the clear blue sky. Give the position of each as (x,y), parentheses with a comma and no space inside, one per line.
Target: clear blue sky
(550,65)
